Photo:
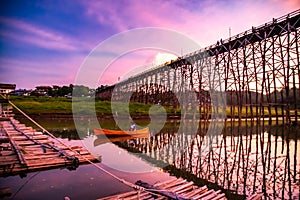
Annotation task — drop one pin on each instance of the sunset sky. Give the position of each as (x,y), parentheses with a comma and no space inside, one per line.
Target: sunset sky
(45,42)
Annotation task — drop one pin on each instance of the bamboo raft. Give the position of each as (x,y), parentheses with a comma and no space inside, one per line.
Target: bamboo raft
(172,189)
(23,149)
(179,189)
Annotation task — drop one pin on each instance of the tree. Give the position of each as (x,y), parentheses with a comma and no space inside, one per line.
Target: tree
(80,90)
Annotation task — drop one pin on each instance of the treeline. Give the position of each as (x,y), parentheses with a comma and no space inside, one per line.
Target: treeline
(289,96)
(69,91)
(59,91)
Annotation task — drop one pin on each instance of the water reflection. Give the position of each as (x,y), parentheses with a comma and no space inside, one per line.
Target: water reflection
(246,160)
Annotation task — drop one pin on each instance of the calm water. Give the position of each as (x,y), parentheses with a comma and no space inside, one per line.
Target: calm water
(245,159)
(87,181)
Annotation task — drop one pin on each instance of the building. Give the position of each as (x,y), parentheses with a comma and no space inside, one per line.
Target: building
(41,90)
(21,92)
(7,88)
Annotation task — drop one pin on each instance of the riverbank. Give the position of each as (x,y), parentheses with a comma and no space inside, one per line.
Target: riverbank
(61,107)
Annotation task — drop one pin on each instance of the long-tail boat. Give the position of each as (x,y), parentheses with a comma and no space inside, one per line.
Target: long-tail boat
(120,133)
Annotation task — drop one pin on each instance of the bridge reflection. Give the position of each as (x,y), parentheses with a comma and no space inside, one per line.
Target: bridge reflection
(246,159)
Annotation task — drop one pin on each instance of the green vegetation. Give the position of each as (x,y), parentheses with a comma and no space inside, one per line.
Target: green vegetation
(63,106)
(43,105)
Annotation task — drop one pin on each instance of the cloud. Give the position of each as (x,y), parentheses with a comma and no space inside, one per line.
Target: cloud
(161,58)
(21,25)
(206,21)
(37,41)
(28,74)
(134,63)
(19,30)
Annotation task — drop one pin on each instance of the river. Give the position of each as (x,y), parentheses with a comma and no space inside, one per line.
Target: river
(243,159)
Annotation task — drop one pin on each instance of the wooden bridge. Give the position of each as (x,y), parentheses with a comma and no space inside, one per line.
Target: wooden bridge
(254,74)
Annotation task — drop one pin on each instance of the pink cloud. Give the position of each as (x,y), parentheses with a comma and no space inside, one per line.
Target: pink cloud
(21,25)
(28,74)
(206,21)
(40,42)
(108,14)
(131,64)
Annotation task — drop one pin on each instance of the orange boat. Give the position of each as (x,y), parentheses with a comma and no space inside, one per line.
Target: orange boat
(120,133)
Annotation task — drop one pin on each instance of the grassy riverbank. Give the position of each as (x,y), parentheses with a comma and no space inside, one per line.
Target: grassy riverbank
(43,105)
(63,106)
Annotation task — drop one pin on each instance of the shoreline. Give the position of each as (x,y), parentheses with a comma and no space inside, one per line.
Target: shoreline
(146,117)
(71,116)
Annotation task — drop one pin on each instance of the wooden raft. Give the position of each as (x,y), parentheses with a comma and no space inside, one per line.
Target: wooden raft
(179,188)
(34,151)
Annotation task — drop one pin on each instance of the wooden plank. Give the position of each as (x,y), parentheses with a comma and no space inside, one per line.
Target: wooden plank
(48,163)
(185,190)
(7,162)
(182,187)
(161,184)
(30,134)
(7,153)
(118,196)
(13,134)
(196,191)
(212,195)
(161,198)
(201,196)
(32,147)
(28,143)
(174,183)
(139,195)
(35,137)
(18,152)
(9,158)
(4,139)
(157,190)
(39,157)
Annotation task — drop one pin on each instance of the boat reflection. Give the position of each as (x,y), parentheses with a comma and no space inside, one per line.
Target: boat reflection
(102,139)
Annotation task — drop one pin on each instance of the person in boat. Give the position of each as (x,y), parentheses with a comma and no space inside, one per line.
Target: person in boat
(132,126)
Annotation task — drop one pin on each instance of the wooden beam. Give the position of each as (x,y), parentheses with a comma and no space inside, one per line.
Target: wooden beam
(18,152)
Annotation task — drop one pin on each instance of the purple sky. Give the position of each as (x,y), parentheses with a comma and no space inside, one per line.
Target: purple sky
(45,42)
